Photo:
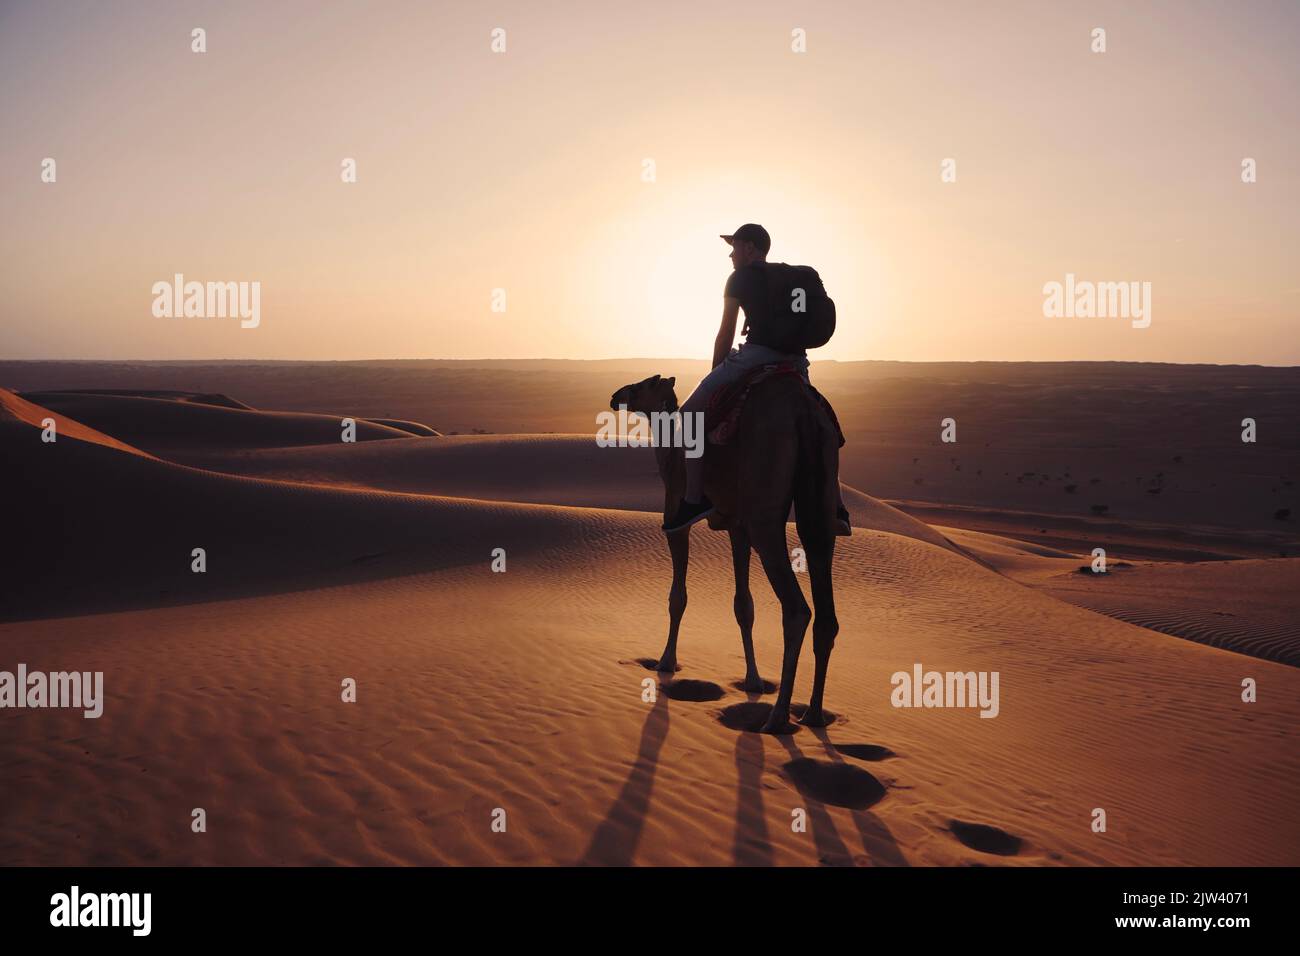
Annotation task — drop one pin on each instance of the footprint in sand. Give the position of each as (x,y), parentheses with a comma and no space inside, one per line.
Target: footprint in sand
(768,687)
(752,716)
(837,784)
(692,690)
(831,718)
(870,752)
(985,838)
(749,717)
(649,663)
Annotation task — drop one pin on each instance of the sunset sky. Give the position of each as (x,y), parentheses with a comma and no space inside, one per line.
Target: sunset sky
(523,171)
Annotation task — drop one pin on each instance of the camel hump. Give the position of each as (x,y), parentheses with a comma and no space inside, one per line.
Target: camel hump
(722,415)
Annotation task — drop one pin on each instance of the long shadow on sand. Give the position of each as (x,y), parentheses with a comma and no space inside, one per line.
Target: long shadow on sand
(831,849)
(751,845)
(820,783)
(615,841)
(877,841)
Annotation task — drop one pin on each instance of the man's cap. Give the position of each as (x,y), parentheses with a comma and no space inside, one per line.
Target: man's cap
(751,232)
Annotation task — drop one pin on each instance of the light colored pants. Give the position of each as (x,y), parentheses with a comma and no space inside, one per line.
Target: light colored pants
(739,362)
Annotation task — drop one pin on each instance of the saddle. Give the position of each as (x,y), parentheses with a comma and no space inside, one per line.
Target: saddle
(722,414)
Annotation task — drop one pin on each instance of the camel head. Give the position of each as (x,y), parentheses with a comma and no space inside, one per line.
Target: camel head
(653,394)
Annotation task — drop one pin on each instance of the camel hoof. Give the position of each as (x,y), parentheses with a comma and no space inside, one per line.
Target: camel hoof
(667,665)
(815,718)
(778,725)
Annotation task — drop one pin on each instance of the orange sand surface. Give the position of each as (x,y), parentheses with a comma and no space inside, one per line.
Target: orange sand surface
(525,690)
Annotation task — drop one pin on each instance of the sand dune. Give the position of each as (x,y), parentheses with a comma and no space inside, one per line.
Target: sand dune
(1124,539)
(415,428)
(164,426)
(261,534)
(516,690)
(197,398)
(105,526)
(521,690)
(1244,606)
(23,422)
(550,469)
(1039,445)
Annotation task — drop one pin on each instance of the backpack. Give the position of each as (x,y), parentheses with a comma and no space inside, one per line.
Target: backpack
(803,315)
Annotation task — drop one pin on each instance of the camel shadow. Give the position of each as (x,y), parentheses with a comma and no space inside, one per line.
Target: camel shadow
(837,782)
(751,845)
(615,840)
(820,783)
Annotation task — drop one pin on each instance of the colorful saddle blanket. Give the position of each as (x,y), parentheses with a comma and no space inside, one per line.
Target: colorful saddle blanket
(722,415)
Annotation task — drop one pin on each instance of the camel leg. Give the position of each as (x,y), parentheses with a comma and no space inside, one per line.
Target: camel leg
(679,546)
(743,604)
(795,615)
(825,627)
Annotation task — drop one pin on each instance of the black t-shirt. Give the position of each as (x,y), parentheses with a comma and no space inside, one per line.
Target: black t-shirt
(749,285)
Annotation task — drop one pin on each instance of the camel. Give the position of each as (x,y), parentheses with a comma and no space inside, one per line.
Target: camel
(783,452)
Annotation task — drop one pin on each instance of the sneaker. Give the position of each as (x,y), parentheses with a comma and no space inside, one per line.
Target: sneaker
(688,514)
(843,528)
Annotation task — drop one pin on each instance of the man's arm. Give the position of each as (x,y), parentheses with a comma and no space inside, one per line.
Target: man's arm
(727,331)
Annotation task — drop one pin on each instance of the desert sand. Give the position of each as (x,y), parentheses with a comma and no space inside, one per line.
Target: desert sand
(526,690)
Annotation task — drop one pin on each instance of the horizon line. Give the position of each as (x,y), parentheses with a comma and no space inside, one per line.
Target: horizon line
(636,358)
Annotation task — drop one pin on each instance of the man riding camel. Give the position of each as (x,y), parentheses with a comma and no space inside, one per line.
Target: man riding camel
(767,342)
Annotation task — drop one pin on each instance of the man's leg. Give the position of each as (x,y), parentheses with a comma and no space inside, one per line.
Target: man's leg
(695,466)
(729,370)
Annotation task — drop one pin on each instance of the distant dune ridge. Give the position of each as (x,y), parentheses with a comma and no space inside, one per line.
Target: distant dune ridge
(1156,446)
(292,510)
(18,417)
(169,424)
(520,690)
(198,398)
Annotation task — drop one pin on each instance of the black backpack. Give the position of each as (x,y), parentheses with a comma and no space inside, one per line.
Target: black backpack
(803,315)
